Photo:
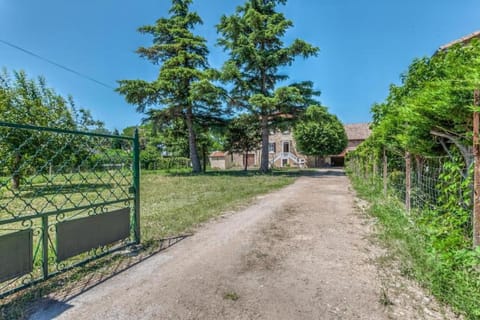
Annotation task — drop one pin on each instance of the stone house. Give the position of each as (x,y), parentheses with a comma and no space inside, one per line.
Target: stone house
(219,160)
(226,160)
(282,152)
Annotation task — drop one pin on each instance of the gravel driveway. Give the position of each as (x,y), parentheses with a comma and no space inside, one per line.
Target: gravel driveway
(304,252)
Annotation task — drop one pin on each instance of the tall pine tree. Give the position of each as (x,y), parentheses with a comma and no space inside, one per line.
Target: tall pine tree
(183,88)
(253,38)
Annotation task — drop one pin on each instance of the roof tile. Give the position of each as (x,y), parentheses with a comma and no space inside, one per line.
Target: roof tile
(358,131)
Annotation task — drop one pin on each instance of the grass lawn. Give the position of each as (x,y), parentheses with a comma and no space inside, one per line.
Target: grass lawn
(172,204)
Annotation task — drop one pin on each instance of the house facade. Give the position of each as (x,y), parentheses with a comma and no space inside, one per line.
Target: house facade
(227,160)
(283,152)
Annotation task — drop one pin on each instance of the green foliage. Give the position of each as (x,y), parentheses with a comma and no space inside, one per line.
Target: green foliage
(436,95)
(30,102)
(243,135)
(252,36)
(149,156)
(429,247)
(430,114)
(111,158)
(449,226)
(183,90)
(320,133)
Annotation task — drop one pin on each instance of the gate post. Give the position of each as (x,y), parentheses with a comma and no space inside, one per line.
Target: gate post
(136,185)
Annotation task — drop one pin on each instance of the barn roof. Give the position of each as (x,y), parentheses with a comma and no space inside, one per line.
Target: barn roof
(358,131)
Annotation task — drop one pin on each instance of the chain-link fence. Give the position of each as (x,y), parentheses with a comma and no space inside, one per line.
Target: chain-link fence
(66,197)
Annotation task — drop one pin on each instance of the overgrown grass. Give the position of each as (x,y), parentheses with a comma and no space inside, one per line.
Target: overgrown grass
(172,203)
(452,275)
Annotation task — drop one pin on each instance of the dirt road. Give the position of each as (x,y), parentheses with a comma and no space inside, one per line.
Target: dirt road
(300,253)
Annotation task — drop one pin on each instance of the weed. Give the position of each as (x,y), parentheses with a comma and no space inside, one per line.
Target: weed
(231,296)
(384,299)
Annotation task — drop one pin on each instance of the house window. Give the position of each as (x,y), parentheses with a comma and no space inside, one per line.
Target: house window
(271,147)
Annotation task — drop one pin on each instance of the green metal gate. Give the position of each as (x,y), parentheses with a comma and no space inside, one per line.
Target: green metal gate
(66,198)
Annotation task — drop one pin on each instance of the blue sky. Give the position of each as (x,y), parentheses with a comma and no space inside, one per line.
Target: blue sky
(365,45)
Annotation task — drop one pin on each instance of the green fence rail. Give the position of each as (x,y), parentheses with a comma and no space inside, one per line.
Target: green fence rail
(66,197)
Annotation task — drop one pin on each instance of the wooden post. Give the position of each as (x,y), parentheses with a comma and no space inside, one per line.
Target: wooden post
(408,180)
(476,178)
(385,172)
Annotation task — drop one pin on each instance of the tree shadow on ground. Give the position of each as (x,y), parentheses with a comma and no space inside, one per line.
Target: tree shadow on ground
(337,172)
(50,298)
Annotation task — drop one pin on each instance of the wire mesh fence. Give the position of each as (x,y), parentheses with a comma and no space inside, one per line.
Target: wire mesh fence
(436,228)
(418,182)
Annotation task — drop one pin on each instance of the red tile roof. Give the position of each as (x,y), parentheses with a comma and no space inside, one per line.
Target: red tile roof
(358,131)
(217,154)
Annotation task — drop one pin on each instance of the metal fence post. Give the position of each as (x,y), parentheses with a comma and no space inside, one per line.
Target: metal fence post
(385,172)
(408,180)
(136,185)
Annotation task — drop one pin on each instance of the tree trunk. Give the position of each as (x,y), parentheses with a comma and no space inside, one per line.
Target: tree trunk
(192,143)
(265,133)
(246,160)
(204,153)
(264,124)
(15,171)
